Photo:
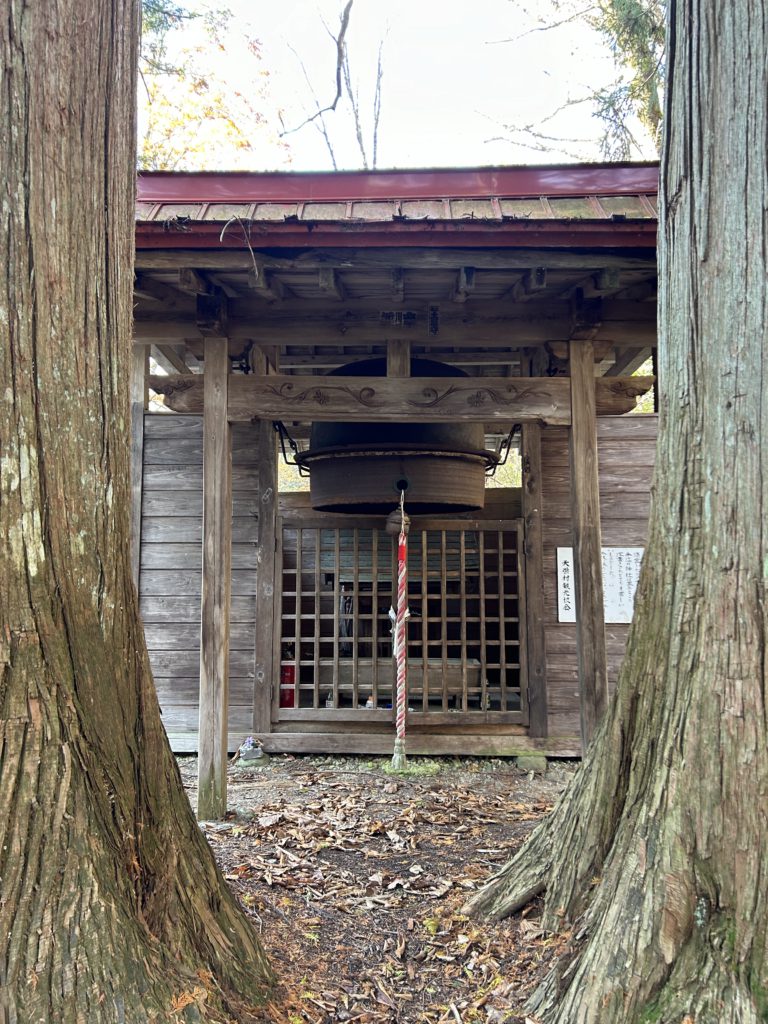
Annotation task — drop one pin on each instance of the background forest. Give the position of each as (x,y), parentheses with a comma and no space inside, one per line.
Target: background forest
(320,85)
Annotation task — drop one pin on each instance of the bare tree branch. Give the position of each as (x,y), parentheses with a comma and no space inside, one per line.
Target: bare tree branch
(354,103)
(377,104)
(340,54)
(319,124)
(323,129)
(544,28)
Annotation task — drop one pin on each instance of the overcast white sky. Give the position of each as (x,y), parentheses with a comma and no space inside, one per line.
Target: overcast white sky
(450,84)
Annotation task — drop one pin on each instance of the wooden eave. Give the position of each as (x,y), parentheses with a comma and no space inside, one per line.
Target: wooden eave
(466,266)
(571,205)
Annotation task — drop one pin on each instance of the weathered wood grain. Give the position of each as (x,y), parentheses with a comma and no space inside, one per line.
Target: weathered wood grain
(532,519)
(237,723)
(172,503)
(160,476)
(215,603)
(616,532)
(266,645)
(138,389)
(614,505)
(181,691)
(188,450)
(185,664)
(398,357)
(626,447)
(187,609)
(497,745)
(386,400)
(189,530)
(585,520)
(415,258)
(179,582)
(187,556)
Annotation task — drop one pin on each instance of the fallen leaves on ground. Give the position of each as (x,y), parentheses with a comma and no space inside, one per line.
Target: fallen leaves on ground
(356,882)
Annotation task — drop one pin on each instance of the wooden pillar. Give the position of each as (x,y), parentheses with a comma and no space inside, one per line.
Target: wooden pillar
(266,644)
(138,387)
(587,554)
(534,580)
(216,585)
(399,357)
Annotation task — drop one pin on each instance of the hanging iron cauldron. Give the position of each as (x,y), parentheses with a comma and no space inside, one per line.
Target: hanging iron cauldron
(362,467)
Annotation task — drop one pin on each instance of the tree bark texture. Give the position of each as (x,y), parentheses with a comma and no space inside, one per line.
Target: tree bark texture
(656,857)
(111,906)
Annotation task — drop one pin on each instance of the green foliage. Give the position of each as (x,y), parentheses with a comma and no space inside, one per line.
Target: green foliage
(651,1014)
(158,18)
(188,107)
(635,31)
(645,404)
(508,475)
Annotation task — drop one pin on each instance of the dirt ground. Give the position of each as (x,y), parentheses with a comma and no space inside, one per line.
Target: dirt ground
(356,877)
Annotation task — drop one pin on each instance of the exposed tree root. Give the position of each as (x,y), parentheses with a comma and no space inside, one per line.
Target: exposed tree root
(566,851)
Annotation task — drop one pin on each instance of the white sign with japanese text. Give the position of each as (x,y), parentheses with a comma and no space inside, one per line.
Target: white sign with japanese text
(621,571)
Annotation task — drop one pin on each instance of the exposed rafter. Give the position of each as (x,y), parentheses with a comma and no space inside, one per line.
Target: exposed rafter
(329,284)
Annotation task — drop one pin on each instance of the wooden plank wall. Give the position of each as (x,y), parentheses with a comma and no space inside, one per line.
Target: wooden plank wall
(171,557)
(170,578)
(626,449)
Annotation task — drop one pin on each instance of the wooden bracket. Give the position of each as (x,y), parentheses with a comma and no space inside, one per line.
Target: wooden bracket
(530,283)
(587,317)
(193,282)
(607,280)
(330,284)
(156,291)
(212,315)
(464,286)
(266,286)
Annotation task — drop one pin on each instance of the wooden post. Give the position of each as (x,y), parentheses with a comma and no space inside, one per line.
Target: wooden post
(266,645)
(217,555)
(587,556)
(398,357)
(139,368)
(534,580)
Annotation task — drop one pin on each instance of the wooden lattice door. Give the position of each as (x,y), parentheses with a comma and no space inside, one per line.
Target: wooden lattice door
(466,650)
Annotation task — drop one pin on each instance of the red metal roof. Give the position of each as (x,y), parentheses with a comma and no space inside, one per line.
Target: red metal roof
(556,180)
(573,205)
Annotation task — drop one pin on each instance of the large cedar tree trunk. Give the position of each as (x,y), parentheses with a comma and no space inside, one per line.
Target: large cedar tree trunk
(657,857)
(111,906)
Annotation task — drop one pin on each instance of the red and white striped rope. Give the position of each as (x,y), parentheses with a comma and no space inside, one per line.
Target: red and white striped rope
(401,653)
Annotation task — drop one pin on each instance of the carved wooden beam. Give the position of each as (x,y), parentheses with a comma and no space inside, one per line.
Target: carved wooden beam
(393,399)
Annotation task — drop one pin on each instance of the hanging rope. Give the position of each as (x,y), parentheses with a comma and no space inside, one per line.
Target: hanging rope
(400,645)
